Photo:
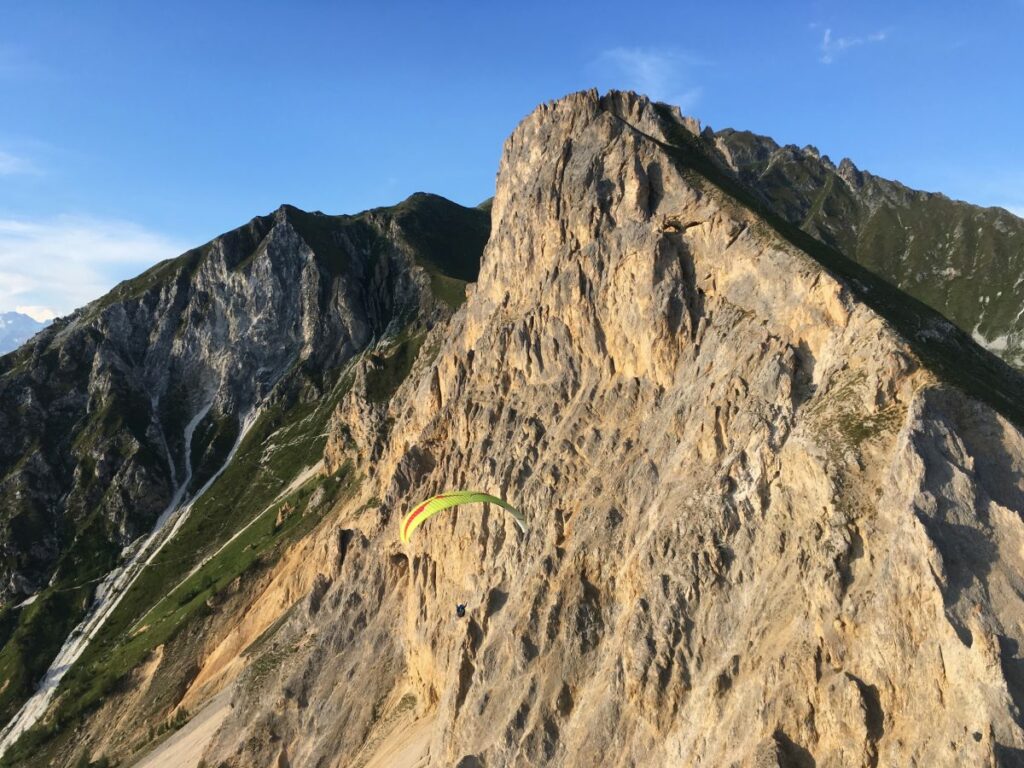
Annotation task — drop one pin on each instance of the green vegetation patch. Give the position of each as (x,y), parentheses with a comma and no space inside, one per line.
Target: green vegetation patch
(450,290)
(859,427)
(37,631)
(842,425)
(394,365)
(448,240)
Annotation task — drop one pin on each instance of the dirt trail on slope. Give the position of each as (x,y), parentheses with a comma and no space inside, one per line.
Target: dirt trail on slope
(185,748)
(295,484)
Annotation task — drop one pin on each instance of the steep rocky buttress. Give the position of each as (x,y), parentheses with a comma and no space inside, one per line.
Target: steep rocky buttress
(764,529)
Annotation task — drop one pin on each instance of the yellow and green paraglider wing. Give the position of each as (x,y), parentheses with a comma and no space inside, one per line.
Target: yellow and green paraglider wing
(427,509)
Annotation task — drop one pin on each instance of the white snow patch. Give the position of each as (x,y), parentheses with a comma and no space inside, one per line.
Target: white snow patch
(998,344)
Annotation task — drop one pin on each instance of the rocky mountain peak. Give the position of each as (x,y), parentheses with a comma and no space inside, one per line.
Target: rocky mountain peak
(774,504)
(726,447)
(849,173)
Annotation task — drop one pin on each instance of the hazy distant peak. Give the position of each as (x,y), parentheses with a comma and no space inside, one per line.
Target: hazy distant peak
(15,329)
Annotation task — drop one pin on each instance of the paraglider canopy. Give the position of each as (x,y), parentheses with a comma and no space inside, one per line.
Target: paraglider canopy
(427,509)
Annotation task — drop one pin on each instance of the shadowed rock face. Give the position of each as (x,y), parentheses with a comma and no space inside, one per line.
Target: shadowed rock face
(763,530)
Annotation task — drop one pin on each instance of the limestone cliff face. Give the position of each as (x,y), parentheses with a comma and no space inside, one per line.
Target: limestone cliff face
(764,530)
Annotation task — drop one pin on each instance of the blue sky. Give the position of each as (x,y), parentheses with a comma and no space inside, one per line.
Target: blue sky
(131,131)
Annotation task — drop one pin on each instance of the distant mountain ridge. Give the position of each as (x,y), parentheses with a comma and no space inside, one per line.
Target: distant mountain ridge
(963,260)
(15,329)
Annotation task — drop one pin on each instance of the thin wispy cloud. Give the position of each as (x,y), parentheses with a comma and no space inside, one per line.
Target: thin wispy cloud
(52,266)
(663,74)
(833,46)
(39,314)
(13,165)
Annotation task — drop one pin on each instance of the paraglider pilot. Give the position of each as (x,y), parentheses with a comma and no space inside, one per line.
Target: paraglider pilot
(427,509)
